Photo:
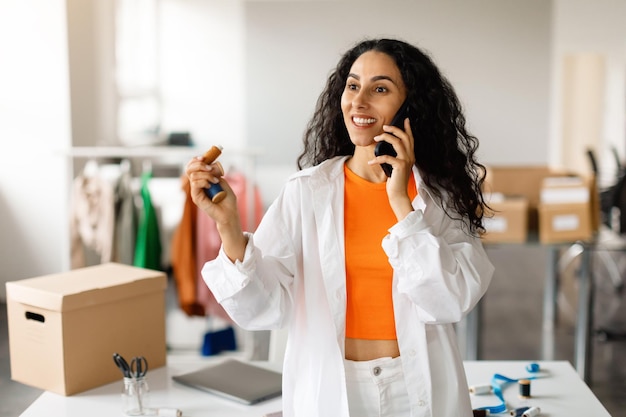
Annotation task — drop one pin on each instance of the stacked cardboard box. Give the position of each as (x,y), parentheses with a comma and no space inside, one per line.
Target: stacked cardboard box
(567,209)
(509,220)
(532,197)
(519,187)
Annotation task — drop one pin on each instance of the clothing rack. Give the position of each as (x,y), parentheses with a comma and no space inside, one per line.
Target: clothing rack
(165,153)
(245,159)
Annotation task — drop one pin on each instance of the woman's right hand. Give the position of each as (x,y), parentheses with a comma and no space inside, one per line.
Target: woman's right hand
(225,213)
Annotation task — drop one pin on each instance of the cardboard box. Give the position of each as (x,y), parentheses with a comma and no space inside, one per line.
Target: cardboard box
(509,222)
(561,223)
(566,210)
(522,181)
(64,328)
(565,190)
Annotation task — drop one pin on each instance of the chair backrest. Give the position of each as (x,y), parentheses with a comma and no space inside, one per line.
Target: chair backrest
(618,203)
(612,198)
(593,161)
(618,162)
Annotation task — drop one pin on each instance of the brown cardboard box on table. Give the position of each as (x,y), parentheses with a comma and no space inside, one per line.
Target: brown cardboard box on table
(567,209)
(509,222)
(525,181)
(521,180)
(64,328)
(563,223)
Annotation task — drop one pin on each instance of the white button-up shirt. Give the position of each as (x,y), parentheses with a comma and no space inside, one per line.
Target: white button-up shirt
(293,274)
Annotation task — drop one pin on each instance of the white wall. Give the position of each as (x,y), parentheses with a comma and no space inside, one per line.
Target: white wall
(91,41)
(202,45)
(248,72)
(495,52)
(34,127)
(594,28)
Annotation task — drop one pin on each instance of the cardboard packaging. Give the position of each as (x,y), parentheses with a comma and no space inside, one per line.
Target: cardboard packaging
(566,209)
(562,223)
(522,181)
(64,328)
(509,222)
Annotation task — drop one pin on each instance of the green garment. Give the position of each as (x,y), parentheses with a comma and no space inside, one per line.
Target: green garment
(148,244)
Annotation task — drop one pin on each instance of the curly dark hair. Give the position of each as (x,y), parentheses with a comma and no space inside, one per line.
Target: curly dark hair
(445,152)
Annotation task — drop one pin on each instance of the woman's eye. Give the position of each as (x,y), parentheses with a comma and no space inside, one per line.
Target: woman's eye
(381,89)
(351,86)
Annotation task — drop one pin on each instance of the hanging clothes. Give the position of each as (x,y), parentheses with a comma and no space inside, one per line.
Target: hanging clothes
(208,240)
(126,221)
(183,257)
(92,215)
(148,243)
(196,241)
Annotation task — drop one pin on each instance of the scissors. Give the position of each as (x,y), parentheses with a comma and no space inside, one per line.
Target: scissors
(138,367)
(122,365)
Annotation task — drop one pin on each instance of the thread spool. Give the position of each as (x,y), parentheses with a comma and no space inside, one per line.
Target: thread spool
(524,388)
(519,411)
(532,412)
(480,389)
(215,191)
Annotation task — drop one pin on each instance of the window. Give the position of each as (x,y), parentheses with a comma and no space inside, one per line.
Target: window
(137,71)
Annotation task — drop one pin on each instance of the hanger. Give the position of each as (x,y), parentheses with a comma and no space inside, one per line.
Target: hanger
(146,166)
(125,166)
(91,169)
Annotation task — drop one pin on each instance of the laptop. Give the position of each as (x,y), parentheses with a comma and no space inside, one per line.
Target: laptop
(239,381)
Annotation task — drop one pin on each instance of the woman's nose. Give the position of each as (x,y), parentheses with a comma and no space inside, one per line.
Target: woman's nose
(359,100)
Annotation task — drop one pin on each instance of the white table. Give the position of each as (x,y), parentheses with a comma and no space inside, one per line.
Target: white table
(561,393)
(164,393)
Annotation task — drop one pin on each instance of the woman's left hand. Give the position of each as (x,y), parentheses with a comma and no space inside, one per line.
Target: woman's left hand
(402,142)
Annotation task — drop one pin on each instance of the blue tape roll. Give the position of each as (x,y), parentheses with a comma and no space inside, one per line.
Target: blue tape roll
(532,367)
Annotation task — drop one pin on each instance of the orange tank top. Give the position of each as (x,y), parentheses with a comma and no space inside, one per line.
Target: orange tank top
(367,218)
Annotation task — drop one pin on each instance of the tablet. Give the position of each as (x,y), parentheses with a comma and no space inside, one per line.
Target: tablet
(239,381)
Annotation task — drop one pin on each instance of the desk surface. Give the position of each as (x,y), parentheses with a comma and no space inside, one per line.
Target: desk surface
(560,393)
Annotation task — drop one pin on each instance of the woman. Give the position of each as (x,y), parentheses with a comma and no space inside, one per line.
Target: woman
(368,272)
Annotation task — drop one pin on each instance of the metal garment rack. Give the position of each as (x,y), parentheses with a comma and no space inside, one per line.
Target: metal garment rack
(244,158)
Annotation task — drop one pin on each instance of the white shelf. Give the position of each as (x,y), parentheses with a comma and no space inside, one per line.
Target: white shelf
(152,151)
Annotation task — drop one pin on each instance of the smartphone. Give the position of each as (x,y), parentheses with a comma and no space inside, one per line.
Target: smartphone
(385,148)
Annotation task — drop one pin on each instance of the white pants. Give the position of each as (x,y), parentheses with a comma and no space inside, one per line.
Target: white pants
(376,388)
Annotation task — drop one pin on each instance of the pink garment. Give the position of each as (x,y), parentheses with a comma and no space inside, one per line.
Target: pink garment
(208,241)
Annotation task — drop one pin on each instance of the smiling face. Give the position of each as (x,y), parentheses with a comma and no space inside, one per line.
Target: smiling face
(373,94)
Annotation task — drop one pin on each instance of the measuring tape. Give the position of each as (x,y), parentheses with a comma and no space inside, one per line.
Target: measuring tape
(498,383)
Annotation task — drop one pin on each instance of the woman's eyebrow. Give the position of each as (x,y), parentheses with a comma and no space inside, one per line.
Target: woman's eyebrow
(382,77)
(374,78)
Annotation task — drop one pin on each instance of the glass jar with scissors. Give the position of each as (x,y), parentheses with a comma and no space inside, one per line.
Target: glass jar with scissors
(135,394)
